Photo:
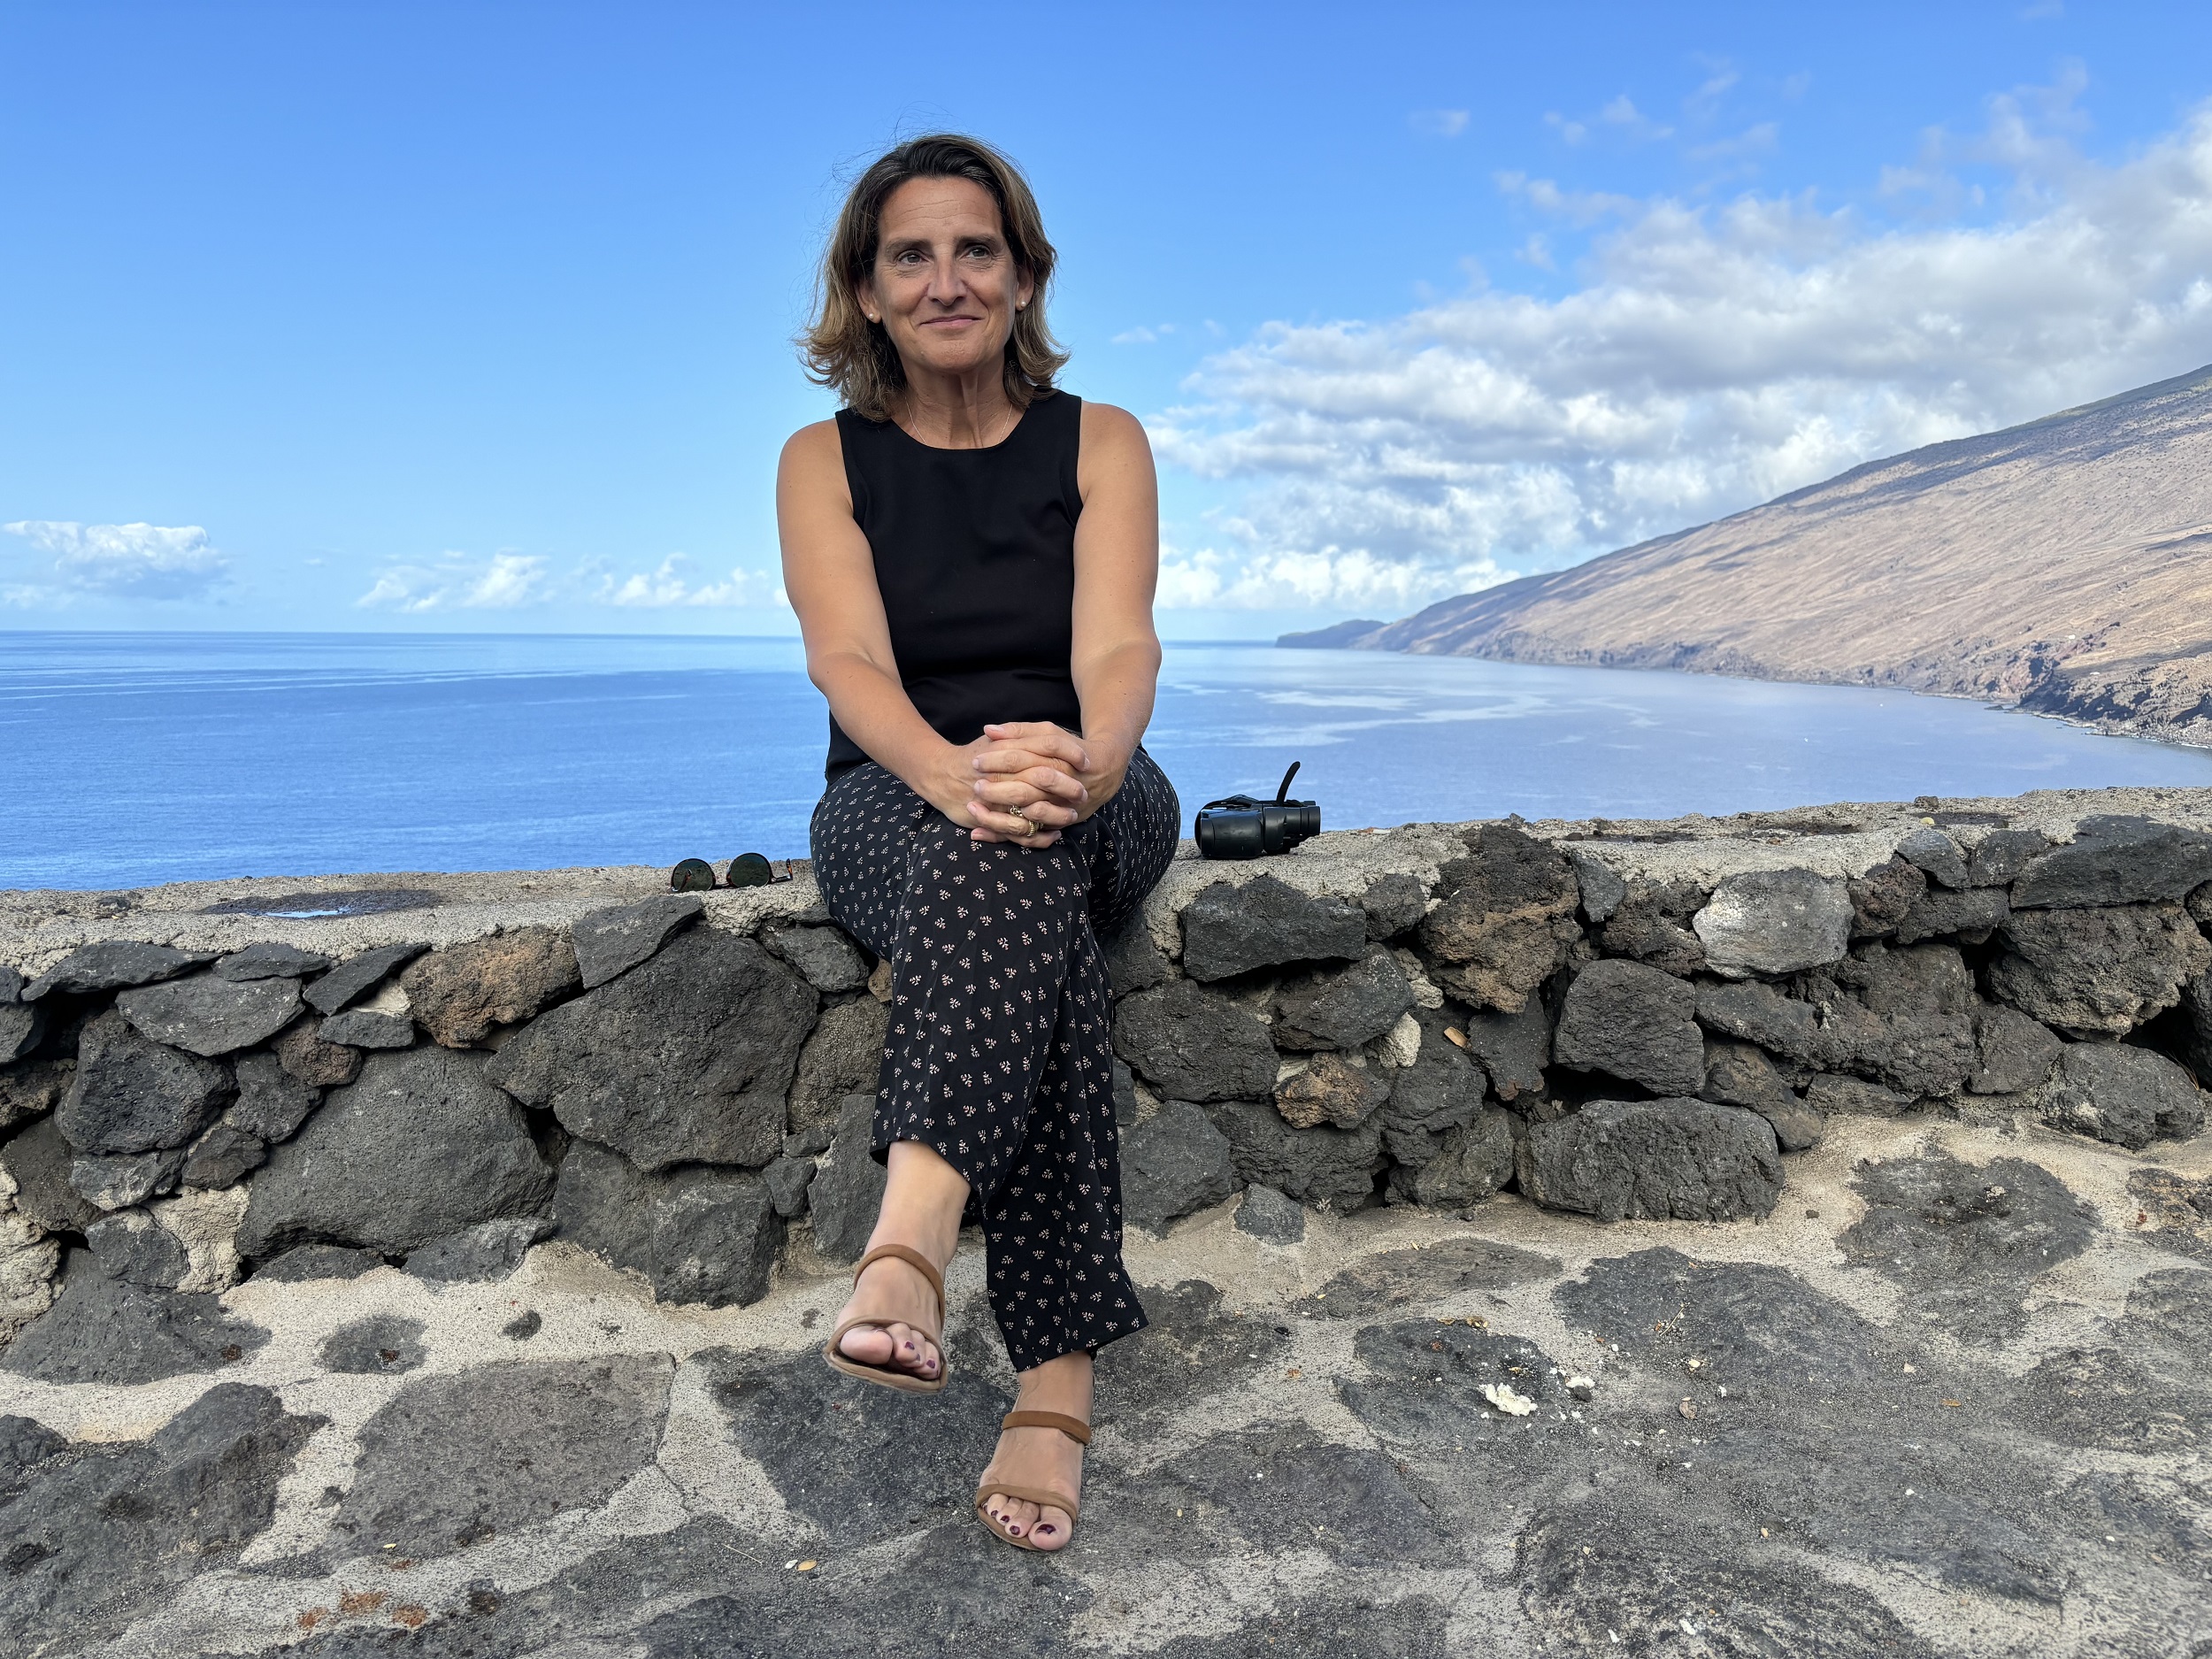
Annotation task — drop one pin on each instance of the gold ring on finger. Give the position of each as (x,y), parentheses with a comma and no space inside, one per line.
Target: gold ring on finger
(1027,827)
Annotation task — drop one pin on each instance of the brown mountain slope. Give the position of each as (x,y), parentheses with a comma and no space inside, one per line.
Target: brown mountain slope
(2065,565)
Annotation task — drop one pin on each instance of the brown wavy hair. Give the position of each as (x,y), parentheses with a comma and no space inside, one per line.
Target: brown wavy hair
(855,357)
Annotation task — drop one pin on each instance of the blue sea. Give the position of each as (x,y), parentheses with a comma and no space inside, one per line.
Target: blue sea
(134,758)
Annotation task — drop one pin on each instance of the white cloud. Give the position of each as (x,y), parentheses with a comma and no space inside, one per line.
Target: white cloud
(506,581)
(1439,123)
(124,561)
(1715,357)
(511,581)
(678,582)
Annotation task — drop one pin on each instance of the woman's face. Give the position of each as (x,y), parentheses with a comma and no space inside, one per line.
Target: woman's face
(944,284)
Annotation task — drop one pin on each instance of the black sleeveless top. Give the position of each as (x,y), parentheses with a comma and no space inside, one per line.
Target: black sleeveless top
(975,556)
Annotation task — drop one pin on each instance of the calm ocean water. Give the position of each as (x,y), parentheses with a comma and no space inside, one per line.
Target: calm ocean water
(137,758)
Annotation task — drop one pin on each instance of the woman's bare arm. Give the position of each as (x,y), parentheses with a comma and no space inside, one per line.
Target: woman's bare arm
(830,576)
(1116,657)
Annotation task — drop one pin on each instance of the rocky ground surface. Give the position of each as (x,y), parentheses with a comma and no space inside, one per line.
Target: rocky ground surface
(1950,1397)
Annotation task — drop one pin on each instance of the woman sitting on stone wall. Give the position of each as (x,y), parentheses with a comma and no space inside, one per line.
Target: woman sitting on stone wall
(971,553)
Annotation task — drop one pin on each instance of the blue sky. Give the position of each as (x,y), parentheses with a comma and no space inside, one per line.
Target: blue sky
(475,316)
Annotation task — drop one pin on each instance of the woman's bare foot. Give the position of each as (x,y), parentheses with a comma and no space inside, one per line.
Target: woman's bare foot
(922,1200)
(895,1294)
(1042,1458)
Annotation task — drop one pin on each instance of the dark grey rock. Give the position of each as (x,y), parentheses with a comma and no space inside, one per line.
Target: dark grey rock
(1331,1089)
(21,1026)
(1127,1107)
(1884,896)
(1395,904)
(1936,854)
(2116,860)
(698,1234)
(112,964)
(1652,925)
(102,1536)
(2002,854)
(1322,1166)
(382,1345)
(1775,921)
(270,959)
(1633,1023)
(613,941)
(302,1052)
(1342,1008)
(1738,1075)
(2196,998)
(108,1331)
(33,1088)
(2098,971)
(1172,1163)
(1507,920)
(683,1059)
(788,1180)
(2115,1092)
(38,1161)
(453,1462)
(116,1181)
(12,983)
(1440,1091)
(844,1057)
(1514,1050)
(1420,1384)
(369,1028)
(524,1325)
(1901,1017)
(24,1442)
(1266,1484)
(319,1261)
(1829,1095)
(829,961)
(1271,1217)
(1475,1160)
(224,1156)
(420,1147)
(131,1244)
(272,1104)
(1760,1014)
(1231,928)
(132,1094)
(488,1251)
(1600,886)
(2013,1054)
(825,1441)
(357,976)
(1134,961)
(1194,1044)
(1653,1160)
(1966,1243)
(1749,1325)
(463,994)
(1972,915)
(848,1188)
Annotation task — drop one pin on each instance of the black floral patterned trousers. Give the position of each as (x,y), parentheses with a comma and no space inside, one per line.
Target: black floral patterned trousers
(998,1054)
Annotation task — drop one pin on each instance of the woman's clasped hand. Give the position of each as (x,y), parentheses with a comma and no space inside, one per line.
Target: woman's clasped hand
(1034,773)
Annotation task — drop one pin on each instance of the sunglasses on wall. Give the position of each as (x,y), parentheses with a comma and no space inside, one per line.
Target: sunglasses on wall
(746,869)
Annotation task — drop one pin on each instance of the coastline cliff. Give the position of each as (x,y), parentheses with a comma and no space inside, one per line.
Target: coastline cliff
(2063,566)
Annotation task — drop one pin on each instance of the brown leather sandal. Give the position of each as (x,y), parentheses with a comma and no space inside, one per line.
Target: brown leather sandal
(887,1376)
(1043,1497)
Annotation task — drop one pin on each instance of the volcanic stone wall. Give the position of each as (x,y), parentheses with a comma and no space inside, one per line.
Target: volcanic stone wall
(202,1083)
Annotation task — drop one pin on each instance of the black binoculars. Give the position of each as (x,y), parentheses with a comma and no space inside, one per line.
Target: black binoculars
(1240,827)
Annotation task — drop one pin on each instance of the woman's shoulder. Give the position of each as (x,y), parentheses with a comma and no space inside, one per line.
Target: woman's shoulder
(1108,426)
